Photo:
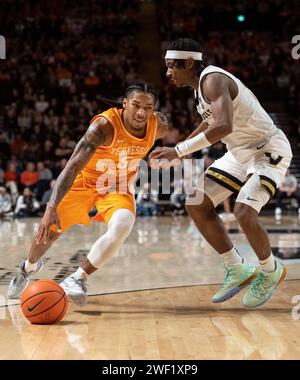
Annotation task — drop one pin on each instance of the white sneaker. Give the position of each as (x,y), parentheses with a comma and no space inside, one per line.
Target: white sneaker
(21,279)
(75,289)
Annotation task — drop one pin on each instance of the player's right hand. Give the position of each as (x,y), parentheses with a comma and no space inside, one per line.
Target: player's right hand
(164,157)
(49,219)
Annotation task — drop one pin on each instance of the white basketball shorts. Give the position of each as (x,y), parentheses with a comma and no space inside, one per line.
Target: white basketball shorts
(253,174)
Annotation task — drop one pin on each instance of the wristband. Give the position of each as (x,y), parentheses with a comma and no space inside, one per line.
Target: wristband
(192,145)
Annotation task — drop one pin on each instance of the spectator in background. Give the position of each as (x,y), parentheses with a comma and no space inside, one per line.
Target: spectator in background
(11,179)
(11,173)
(61,165)
(17,146)
(5,202)
(288,189)
(147,201)
(24,119)
(63,151)
(177,199)
(17,163)
(44,178)
(41,104)
(27,205)
(4,147)
(29,177)
(64,76)
(32,148)
(47,154)
(47,196)
(92,80)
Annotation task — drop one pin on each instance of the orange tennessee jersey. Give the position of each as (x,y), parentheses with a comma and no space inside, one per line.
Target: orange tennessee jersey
(114,168)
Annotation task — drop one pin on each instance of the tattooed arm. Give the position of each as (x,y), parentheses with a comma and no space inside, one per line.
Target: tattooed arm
(96,135)
(100,132)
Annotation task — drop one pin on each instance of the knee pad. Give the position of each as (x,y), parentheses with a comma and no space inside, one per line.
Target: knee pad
(121,222)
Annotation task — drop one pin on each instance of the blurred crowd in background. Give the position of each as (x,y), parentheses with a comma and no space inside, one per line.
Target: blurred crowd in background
(257,50)
(61,55)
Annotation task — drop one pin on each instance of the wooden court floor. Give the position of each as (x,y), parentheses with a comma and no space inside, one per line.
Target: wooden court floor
(153,300)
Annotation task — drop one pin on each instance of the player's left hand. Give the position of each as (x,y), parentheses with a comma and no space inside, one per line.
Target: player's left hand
(50,218)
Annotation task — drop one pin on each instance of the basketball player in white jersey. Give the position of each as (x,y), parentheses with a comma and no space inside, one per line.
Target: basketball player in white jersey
(254,166)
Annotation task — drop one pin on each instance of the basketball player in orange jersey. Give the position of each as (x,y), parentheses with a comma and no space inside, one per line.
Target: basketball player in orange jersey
(111,149)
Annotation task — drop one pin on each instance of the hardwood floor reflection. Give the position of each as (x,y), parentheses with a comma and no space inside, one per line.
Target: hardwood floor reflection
(175,323)
(153,299)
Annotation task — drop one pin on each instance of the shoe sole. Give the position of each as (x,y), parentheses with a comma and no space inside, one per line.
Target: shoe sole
(234,291)
(283,274)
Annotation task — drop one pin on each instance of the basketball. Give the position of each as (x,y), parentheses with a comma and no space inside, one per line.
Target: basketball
(44,302)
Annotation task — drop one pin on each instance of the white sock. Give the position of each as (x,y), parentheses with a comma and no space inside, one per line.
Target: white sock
(80,273)
(119,227)
(30,267)
(268,265)
(232,257)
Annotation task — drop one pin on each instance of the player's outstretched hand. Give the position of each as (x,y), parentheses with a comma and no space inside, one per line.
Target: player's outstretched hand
(163,157)
(50,218)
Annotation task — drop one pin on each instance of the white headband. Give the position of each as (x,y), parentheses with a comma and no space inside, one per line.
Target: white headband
(180,54)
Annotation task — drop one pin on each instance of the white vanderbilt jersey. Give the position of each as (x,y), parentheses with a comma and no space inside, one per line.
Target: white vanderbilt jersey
(258,152)
(251,122)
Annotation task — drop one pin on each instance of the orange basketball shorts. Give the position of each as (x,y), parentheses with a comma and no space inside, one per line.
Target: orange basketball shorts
(83,197)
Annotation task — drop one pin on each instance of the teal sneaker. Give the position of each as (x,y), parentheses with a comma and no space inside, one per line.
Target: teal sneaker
(237,277)
(262,288)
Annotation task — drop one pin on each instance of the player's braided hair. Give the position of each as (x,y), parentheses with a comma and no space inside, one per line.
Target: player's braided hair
(139,87)
(187,44)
